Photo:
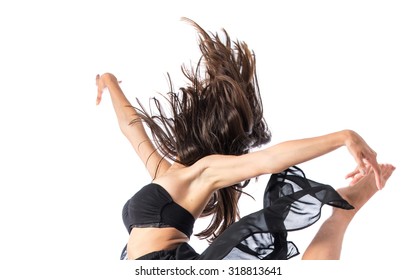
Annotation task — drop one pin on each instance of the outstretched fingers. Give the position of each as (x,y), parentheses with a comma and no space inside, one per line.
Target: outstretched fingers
(385,171)
(99,89)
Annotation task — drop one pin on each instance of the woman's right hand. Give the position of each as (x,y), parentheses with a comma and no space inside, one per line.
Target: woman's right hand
(365,158)
(101,82)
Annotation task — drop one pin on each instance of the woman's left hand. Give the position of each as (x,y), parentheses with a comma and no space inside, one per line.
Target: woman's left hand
(365,157)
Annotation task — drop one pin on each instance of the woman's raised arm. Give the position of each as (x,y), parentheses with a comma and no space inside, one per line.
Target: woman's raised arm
(223,171)
(135,133)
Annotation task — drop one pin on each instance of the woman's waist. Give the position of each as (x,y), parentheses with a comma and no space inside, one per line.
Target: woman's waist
(146,240)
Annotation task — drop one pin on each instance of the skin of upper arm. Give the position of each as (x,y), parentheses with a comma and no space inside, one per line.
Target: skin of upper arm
(147,152)
(225,170)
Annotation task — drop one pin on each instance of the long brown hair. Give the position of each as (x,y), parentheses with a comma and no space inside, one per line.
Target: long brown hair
(219,111)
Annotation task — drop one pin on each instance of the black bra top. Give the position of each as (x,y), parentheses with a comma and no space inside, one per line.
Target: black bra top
(152,206)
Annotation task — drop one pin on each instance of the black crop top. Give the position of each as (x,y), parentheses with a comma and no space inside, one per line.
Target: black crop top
(152,206)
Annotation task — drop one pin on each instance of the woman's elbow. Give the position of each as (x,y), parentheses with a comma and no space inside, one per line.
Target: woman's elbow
(271,163)
(125,127)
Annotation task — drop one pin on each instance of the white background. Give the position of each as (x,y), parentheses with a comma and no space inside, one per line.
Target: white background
(66,169)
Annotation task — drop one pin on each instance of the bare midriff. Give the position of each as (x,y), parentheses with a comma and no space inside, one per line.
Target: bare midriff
(146,240)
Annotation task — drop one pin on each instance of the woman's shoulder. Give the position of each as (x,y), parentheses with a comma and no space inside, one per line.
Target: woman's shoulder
(178,176)
(186,188)
(203,174)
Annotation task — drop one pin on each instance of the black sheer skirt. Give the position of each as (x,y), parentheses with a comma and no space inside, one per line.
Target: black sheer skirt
(291,202)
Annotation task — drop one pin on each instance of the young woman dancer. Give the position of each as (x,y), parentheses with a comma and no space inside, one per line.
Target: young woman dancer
(200,158)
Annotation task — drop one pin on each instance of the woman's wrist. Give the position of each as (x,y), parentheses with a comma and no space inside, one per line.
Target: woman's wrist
(347,136)
(109,78)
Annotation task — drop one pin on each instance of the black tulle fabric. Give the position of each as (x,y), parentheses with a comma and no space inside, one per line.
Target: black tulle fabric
(291,202)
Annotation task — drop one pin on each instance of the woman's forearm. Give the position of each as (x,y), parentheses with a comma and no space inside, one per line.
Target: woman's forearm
(289,153)
(125,113)
(135,132)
